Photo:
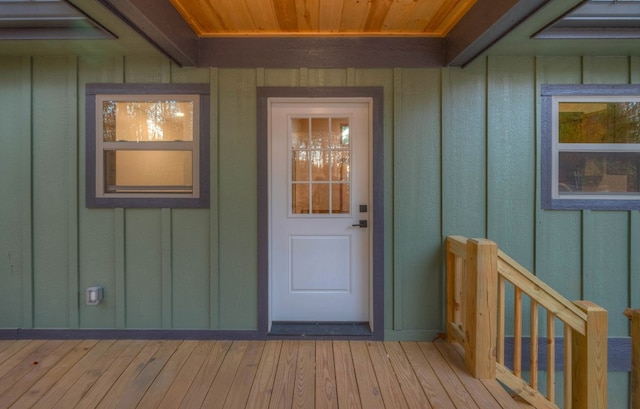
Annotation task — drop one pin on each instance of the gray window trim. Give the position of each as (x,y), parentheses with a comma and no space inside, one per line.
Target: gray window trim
(548,91)
(92,90)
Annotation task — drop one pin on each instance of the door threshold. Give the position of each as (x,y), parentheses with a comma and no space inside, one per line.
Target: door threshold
(320,329)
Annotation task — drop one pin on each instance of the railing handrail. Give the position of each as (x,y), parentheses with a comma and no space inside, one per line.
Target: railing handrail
(542,293)
(476,275)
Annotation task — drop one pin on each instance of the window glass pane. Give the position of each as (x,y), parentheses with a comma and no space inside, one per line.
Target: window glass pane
(132,121)
(340,166)
(300,166)
(598,172)
(340,202)
(599,122)
(148,171)
(320,198)
(339,132)
(320,165)
(299,133)
(300,198)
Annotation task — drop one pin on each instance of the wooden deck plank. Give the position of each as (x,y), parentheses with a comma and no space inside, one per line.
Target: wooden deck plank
(345,376)
(90,375)
(370,395)
(494,392)
(431,386)
(219,390)
(476,388)
(413,393)
(282,397)
(387,380)
(69,379)
(53,376)
(105,380)
(205,376)
(326,390)
(4,344)
(241,386)
(39,368)
(15,354)
(242,374)
(183,379)
(21,364)
(121,389)
(455,389)
(305,388)
(146,374)
(160,385)
(263,382)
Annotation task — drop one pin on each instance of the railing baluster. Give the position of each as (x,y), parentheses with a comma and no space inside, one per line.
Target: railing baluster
(517,332)
(533,353)
(568,370)
(551,357)
(501,319)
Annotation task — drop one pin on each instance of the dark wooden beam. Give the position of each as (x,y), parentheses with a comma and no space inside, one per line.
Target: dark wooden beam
(322,52)
(487,22)
(161,24)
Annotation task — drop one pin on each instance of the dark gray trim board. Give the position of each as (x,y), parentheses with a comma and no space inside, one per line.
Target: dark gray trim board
(377,222)
(322,52)
(182,334)
(618,353)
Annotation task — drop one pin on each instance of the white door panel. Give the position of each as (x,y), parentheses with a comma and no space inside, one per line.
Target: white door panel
(319,177)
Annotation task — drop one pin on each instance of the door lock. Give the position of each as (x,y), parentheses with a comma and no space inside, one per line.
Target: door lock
(361,224)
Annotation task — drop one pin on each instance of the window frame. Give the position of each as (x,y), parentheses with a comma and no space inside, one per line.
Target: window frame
(199,198)
(551,95)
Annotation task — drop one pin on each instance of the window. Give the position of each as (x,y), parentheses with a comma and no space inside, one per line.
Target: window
(591,147)
(320,166)
(147,145)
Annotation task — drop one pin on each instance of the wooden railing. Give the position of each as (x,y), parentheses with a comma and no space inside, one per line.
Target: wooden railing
(478,275)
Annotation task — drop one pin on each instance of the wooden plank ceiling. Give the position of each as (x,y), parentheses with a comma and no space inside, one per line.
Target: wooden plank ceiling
(419,18)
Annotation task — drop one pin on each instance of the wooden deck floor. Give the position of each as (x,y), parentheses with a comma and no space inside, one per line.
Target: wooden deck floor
(239,374)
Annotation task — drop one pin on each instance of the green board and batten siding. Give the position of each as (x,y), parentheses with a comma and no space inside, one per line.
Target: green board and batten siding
(461,157)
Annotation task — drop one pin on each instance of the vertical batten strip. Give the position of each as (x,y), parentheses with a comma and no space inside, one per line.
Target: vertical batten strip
(517,332)
(120,264)
(397,276)
(533,353)
(551,357)
(167,273)
(72,194)
(27,195)
(214,207)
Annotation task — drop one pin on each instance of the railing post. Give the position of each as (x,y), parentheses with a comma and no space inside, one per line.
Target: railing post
(589,355)
(481,308)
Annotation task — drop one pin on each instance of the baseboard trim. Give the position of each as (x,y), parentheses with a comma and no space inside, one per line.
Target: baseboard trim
(172,334)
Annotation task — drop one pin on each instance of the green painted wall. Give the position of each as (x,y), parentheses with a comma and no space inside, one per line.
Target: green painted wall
(462,157)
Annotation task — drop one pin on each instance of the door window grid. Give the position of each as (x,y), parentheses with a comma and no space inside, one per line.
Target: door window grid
(320,163)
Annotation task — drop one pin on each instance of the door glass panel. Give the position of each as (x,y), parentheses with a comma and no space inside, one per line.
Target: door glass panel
(340,166)
(340,198)
(300,195)
(320,198)
(321,165)
(300,165)
(320,173)
(339,132)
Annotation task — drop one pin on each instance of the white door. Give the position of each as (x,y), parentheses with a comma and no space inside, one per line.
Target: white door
(319,213)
